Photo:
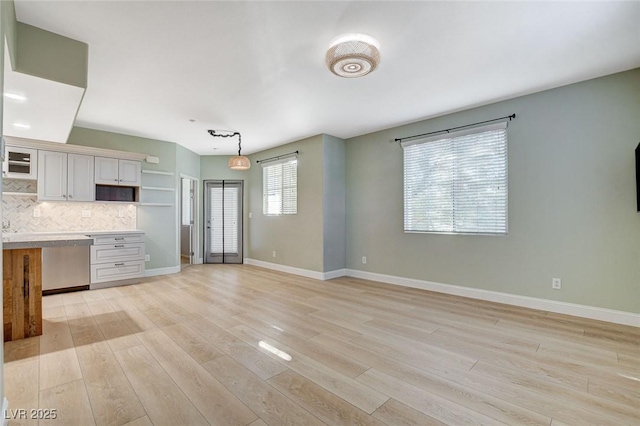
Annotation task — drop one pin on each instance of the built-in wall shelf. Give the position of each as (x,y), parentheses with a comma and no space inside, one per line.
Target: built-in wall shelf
(21,194)
(157,172)
(157,188)
(156,204)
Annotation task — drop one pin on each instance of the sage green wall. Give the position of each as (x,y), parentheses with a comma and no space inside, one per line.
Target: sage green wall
(572,210)
(297,239)
(9,30)
(159,223)
(334,204)
(216,167)
(51,56)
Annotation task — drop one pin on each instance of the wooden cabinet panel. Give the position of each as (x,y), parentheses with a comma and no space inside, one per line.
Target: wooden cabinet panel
(22,288)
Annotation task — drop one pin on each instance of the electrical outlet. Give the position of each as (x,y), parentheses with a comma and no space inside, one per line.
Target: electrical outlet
(556,283)
(274,253)
(120,213)
(364,260)
(250,215)
(86,213)
(36,212)
(147,258)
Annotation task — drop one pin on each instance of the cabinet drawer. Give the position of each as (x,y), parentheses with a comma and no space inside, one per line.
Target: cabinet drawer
(107,253)
(117,271)
(117,239)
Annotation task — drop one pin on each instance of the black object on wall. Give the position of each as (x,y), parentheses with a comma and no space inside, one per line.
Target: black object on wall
(638,175)
(116,193)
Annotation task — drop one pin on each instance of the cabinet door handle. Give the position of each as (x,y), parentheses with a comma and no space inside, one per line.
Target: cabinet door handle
(119,264)
(70,196)
(119,246)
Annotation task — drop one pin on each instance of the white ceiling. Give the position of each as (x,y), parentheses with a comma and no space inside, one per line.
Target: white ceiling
(258,67)
(48,110)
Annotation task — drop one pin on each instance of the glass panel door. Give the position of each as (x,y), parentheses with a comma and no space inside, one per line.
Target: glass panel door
(223,232)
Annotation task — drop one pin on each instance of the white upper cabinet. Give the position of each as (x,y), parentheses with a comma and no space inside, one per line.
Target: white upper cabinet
(80,183)
(112,171)
(65,177)
(52,176)
(20,163)
(106,171)
(130,172)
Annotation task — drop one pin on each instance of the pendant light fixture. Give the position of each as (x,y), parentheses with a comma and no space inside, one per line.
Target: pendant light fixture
(353,55)
(237,162)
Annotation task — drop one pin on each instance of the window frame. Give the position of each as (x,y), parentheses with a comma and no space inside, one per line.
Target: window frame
(451,136)
(282,162)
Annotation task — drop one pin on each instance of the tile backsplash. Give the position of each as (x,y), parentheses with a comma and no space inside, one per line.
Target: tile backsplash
(23,213)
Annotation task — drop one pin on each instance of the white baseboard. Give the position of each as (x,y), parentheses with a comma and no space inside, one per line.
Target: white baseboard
(583,311)
(591,312)
(162,271)
(284,268)
(334,274)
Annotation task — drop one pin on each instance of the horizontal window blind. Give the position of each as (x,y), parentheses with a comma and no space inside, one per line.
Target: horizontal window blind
(457,183)
(224,220)
(280,187)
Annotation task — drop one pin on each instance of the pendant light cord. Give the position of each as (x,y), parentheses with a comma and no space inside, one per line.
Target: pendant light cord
(214,134)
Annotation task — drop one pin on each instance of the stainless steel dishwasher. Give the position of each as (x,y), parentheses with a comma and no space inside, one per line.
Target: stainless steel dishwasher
(65,267)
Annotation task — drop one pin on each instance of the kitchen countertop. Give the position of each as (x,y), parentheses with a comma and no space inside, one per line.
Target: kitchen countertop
(55,239)
(15,241)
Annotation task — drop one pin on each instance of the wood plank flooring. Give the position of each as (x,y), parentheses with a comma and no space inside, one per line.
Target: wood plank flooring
(241,345)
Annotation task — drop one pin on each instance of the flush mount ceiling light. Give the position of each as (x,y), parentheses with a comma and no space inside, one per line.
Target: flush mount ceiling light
(237,162)
(353,55)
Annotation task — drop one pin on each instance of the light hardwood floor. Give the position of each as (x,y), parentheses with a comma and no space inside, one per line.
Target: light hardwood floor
(241,345)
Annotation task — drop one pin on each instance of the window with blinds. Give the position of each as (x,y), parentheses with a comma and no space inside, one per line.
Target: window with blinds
(224,219)
(457,183)
(280,187)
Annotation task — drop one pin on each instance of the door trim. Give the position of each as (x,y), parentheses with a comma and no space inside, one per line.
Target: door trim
(239,256)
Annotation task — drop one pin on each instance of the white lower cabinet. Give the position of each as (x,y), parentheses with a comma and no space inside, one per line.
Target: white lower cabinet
(117,257)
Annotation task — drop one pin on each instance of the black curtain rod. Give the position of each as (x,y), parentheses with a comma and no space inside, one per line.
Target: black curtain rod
(510,117)
(276,158)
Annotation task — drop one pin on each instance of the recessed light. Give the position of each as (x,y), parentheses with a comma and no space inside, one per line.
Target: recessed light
(192,120)
(15,96)
(22,125)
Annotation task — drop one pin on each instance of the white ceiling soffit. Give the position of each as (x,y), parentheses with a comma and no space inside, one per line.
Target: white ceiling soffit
(47,111)
(258,67)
